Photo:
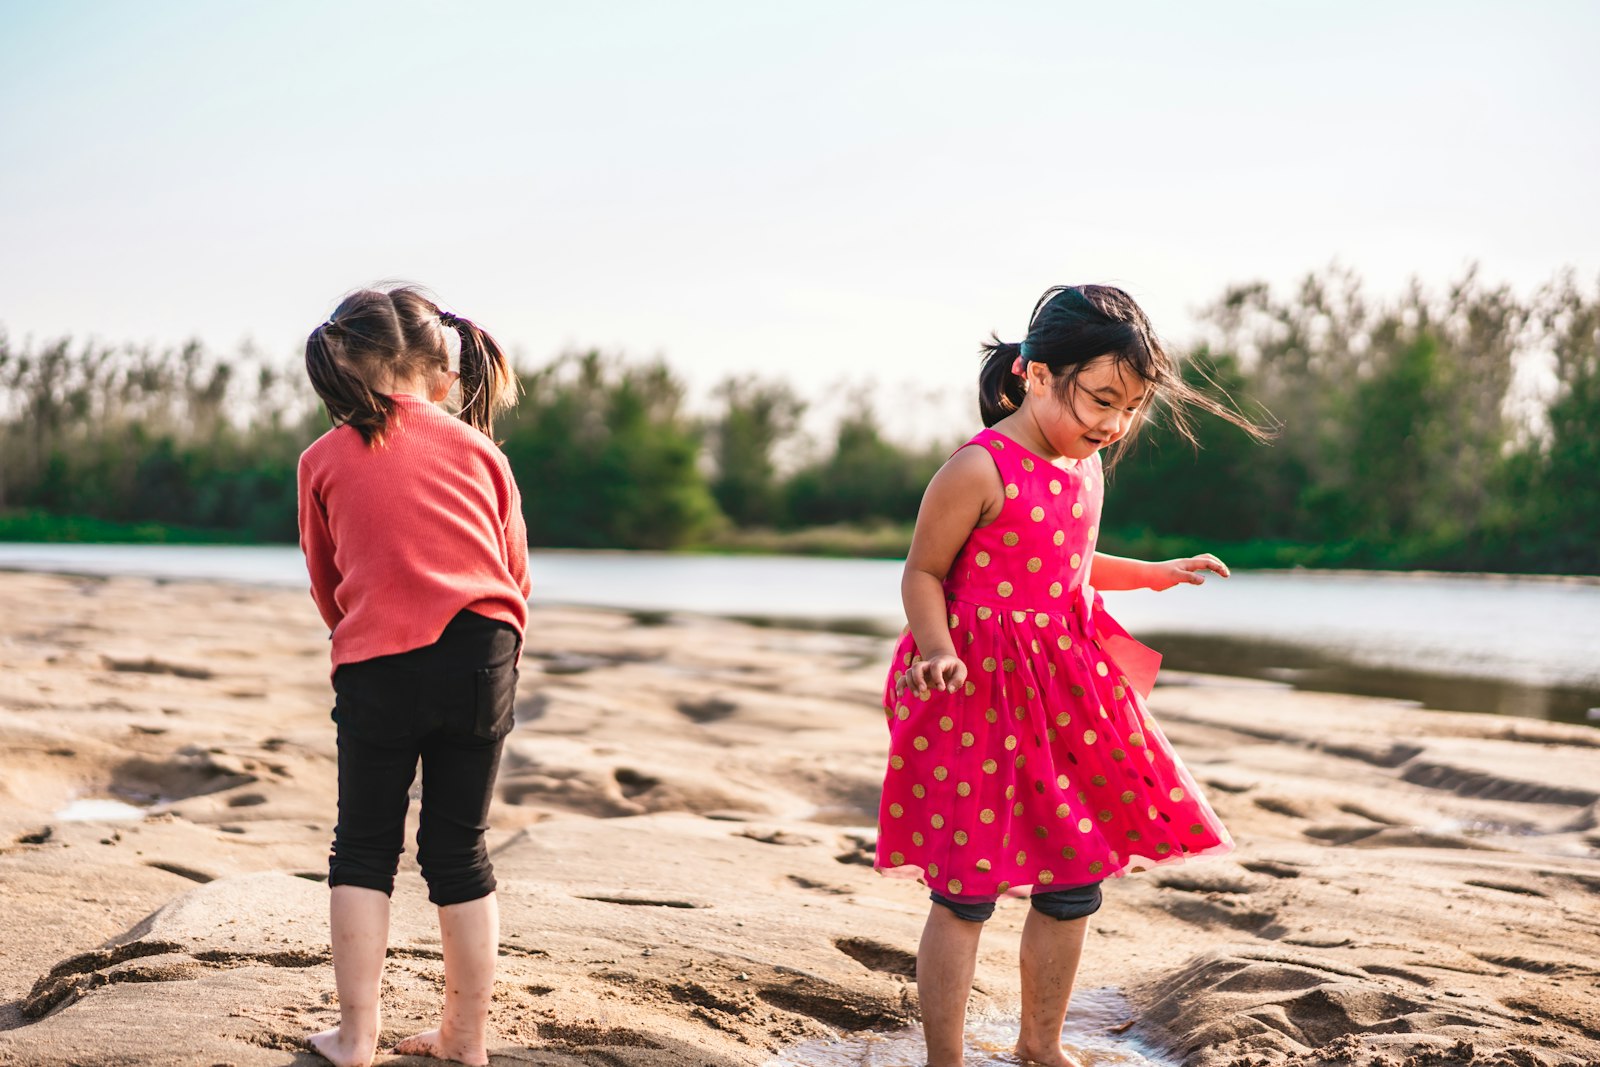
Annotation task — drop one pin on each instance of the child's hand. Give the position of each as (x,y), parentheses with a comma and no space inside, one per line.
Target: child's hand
(944,672)
(1191,571)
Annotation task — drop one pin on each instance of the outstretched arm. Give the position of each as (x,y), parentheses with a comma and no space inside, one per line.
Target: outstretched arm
(1118,572)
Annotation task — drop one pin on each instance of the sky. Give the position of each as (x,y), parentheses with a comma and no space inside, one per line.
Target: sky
(849,197)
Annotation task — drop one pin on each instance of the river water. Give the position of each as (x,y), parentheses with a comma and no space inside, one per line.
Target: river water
(1519,646)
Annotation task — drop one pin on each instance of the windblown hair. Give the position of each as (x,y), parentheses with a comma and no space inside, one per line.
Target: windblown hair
(1071,326)
(375,338)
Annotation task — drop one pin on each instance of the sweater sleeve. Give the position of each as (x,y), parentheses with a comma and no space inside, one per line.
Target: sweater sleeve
(316,541)
(517,540)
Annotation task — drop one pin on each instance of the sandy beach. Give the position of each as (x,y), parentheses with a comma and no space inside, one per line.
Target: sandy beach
(682,837)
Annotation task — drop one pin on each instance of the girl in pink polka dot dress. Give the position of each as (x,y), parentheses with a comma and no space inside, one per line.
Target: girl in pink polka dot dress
(1021,752)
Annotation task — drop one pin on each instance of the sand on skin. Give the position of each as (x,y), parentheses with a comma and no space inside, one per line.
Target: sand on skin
(682,845)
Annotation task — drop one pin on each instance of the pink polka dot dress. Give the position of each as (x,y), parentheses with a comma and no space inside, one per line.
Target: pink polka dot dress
(1045,769)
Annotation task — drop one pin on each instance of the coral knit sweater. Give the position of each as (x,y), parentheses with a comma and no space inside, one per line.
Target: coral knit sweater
(399,537)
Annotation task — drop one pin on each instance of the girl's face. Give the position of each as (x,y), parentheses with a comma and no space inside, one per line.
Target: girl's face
(1100,408)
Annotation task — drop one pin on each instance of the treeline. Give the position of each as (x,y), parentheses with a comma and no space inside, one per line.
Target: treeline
(1455,431)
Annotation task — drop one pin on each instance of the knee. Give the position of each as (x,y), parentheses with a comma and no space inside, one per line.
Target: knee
(364,866)
(458,875)
(971,910)
(1074,902)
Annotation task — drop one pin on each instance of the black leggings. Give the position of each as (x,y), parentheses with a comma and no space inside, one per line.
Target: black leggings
(449,705)
(1072,902)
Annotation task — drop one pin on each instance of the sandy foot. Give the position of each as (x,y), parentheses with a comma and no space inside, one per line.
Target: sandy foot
(432,1043)
(340,1049)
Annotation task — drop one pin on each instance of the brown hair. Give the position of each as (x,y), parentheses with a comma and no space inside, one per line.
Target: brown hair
(377,336)
(1071,326)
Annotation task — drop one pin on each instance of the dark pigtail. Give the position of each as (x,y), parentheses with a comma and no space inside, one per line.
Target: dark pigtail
(488,384)
(349,400)
(999,390)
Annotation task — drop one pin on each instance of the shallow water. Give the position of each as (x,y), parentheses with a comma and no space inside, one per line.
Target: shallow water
(99,809)
(1089,1034)
(1514,646)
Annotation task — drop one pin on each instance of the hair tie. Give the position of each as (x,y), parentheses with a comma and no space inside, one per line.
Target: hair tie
(449,318)
(329,325)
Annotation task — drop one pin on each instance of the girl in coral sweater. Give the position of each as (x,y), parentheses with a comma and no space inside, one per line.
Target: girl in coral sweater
(413,534)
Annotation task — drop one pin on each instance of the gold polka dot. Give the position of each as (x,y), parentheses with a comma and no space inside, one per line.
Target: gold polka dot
(1055,485)
(954,622)
(1128,796)
(1084,826)
(1027,465)
(1077,511)
(1076,690)
(1022,857)
(1100,669)
(1075,561)
(1037,514)
(1136,740)
(896,810)
(1088,737)
(963,789)
(1096,867)
(1011,538)
(933,870)
(920,743)
(955,885)
(1011,743)
(1035,565)
(1133,835)
(986,816)
(1055,588)
(1063,719)
(1163,848)
(1018,615)
(916,838)
(1004,589)
(1196,828)
(970,687)
(1176,794)
(990,663)
(1118,692)
(902,713)
(906,659)
(1002,887)
(941,773)
(1050,735)
(967,740)
(1046,877)
(918,792)
(990,766)
(946,723)
(983,865)
(1011,490)
(937,822)
(1094,531)
(897,858)
(1152,812)
(982,560)
(997,444)
(1008,664)
(1118,755)
(897,762)
(960,837)
(1062,811)
(1069,853)
(1011,791)
(1060,538)
(1064,642)
(1103,815)
(1062,781)
(984,613)
(991,715)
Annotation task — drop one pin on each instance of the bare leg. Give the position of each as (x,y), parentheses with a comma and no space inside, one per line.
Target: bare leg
(471,936)
(1051,949)
(358,921)
(946,960)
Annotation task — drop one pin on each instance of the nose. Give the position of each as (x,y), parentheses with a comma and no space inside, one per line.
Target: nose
(1118,423)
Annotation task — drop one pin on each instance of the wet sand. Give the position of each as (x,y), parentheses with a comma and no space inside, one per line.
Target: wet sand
(682,838)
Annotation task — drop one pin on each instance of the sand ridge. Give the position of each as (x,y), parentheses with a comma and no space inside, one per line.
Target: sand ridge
(683,842)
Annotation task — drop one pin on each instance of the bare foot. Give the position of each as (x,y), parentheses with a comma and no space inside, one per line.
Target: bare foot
(433,1043)
(1049,1056)
(342,1049)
